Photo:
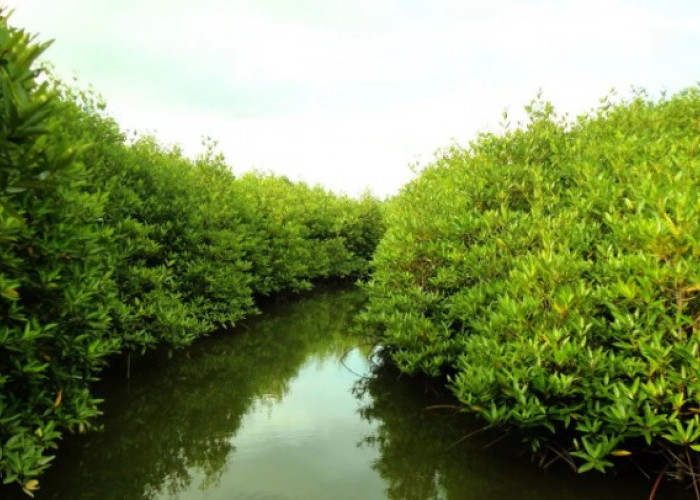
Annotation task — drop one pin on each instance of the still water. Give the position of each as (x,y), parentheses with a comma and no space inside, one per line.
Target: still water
(289,407)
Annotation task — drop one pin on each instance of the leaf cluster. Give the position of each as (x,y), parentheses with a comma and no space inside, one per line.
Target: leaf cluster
(551,272)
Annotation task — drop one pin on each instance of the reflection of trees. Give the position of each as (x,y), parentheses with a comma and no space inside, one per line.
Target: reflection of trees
(177,417)
(412,459)
(418,457)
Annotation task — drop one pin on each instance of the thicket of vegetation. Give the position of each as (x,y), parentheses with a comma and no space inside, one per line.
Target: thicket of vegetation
(552,274)
(109,244)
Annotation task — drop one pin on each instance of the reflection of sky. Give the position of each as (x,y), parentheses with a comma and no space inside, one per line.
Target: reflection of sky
(305,446)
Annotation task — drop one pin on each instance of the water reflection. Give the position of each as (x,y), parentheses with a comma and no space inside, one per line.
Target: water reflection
(270,412)
(424,452)
(174,420)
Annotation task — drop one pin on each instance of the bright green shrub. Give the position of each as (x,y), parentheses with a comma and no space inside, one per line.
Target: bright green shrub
(55,288)
(362,226)
(180,248)
(305,233)
(183,269)
(195,243)
(553,274)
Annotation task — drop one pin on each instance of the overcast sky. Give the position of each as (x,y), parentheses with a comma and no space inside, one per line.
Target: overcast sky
(348,93)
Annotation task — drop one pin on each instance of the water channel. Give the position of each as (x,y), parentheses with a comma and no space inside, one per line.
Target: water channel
(288,406)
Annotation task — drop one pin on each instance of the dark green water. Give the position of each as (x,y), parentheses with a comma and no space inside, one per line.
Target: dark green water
(270,412)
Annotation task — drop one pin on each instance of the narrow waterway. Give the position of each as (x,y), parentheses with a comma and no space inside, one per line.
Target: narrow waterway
(289,407)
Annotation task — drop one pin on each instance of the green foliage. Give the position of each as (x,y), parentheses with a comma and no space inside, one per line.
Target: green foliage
(302,233)
(111,243)
(552,273)
(55,289)
(197,244)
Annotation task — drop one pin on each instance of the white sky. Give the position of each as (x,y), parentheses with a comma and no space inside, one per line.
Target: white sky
(348,93)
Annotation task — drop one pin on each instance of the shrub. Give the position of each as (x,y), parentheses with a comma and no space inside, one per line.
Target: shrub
(552,274)
(55,286)
(196,244)
(305,233)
